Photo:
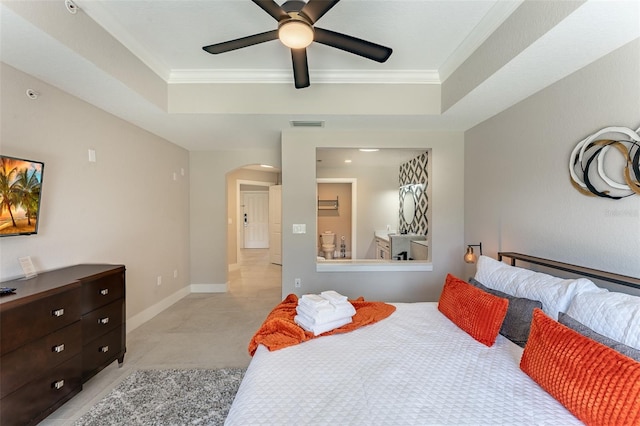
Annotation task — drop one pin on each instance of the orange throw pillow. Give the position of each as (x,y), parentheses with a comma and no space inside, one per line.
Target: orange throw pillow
(477,312)
(599,385)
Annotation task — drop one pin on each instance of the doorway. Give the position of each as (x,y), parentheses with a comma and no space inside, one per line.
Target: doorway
(254,209)
(241,181)
(337,213)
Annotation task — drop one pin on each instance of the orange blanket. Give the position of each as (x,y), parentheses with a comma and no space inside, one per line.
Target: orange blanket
(279,330)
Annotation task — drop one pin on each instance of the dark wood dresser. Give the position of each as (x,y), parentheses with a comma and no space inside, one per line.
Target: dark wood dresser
(58,330)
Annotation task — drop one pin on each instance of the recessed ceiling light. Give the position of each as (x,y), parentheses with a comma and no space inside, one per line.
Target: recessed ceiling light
(347,161)
(369,149)
(266,166)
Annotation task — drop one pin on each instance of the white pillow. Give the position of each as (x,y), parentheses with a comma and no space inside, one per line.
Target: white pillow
(615,315)
(554,293)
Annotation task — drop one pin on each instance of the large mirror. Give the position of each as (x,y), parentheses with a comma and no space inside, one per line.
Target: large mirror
(369,199)
(408,207)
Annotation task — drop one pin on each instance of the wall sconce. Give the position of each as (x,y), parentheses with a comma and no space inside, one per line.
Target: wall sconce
(469,256)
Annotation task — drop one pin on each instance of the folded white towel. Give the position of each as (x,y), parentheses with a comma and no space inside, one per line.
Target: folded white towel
(333,296)
(326,314)
(313,300)
(303,322)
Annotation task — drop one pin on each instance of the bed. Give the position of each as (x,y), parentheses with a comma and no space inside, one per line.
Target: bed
(419,367)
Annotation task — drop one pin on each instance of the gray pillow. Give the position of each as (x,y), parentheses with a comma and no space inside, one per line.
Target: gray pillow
(607,341)
(517,322)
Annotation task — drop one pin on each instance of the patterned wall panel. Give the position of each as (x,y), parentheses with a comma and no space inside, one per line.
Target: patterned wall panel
(414,178)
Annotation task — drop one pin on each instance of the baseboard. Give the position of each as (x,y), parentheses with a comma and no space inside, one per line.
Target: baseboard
(209,288)
(144,316)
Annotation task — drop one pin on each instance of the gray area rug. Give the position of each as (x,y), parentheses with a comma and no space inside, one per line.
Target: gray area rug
(168,397)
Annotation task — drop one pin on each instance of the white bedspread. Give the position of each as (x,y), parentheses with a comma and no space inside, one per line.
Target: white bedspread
(413,368)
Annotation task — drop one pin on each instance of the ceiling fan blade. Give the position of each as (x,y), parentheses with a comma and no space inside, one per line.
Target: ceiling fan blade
(351,44)
(272,8)
(241,42)
(300,68)
(316,8)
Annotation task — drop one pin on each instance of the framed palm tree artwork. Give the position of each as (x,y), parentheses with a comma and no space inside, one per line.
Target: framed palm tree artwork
(20,194)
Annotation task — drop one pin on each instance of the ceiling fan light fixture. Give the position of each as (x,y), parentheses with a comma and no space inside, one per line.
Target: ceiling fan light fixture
(295,33)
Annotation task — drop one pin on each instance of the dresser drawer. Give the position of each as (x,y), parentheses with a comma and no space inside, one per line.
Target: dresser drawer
(40,397)
(29,322)
(102,291)
(102,351)
(102,320)
(36,358)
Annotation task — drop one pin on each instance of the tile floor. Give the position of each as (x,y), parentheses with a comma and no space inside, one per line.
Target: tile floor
(199,331)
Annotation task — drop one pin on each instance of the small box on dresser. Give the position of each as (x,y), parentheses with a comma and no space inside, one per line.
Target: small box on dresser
(43,338)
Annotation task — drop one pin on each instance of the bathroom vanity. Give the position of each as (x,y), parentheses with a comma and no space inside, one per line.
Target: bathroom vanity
(383,247)
(392,246)
(389,255)
(419,249)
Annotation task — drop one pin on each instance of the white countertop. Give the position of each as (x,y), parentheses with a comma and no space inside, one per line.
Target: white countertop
(383,234)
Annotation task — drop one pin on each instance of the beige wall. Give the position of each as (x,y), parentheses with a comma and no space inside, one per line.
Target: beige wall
(299,207)
(126,208)
(518,195)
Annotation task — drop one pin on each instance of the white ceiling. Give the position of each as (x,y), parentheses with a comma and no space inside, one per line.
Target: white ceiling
(429,38)
(168,35)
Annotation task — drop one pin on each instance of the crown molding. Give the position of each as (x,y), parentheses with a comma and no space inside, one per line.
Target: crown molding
(218,76)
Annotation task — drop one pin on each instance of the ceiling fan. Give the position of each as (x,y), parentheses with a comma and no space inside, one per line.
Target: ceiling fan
(296,30)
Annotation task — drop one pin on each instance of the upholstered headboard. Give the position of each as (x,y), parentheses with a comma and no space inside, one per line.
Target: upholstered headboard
(633,284)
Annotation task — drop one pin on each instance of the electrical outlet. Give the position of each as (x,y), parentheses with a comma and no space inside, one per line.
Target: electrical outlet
(159,280)
(175,273)
(298,282)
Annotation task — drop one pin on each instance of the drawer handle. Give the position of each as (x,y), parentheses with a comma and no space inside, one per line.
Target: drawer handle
(57,312)
(104,320)
(104,349)
(104,291)
(58,385)
(58,348)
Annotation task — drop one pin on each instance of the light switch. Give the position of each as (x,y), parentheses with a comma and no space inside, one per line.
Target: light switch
(92,155)
(299,228)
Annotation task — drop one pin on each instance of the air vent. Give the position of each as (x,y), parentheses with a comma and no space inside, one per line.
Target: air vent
(295,123)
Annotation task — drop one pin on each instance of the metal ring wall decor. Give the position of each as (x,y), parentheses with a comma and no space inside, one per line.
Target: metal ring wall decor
(594,180)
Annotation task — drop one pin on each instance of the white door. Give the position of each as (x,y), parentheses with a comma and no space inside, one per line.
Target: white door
(275,224)
(255,219)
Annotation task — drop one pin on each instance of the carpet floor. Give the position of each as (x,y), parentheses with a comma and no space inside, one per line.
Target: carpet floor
(168,397)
